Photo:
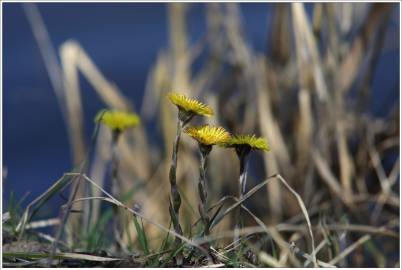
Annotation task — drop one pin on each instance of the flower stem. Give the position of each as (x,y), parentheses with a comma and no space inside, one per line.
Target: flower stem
(242,153)
(175,200)
(202,189)
(115,185)
(115,164)
(243,175)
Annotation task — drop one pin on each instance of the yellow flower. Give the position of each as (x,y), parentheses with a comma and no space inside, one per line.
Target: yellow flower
(208,135)
(252,141)
(117,120)
(190,105)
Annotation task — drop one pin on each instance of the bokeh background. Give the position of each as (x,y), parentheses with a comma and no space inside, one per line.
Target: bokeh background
(319,81)
(123,41)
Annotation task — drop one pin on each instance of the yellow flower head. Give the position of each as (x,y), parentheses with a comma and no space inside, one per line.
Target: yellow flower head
(117,120)
(190,105)
(208,135)
(252,141)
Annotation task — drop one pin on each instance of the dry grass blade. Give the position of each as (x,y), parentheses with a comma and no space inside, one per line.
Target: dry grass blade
(310,258)
(86,257)
(269,260)
(393,175)
(345,161)
(48,52)
(43,223)
(179,47)
(376,161)
(290,228)
(73,102)
(62,255)
(303,208)
(350,249)
(344,227)
(305,127)
(50,239)
(305,39)
(270,129)
(77,59)
(349,67)
(218,265)
(329,178)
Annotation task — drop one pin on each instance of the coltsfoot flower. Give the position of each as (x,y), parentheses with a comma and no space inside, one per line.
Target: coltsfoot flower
(256,143)
(208,135)
(189,105)
(117,121)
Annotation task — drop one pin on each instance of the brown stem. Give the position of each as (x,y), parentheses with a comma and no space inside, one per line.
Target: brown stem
(175,200)
(202,189)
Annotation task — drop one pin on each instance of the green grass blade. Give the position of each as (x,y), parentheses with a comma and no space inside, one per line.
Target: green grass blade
(141,236)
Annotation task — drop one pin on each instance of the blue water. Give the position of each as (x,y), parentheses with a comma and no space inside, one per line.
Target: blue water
(123,40)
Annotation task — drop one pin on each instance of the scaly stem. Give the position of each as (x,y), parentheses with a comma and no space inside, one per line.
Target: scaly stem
(202,189)
(175,200)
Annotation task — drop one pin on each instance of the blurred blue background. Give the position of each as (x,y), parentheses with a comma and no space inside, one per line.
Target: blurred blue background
(123,41)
